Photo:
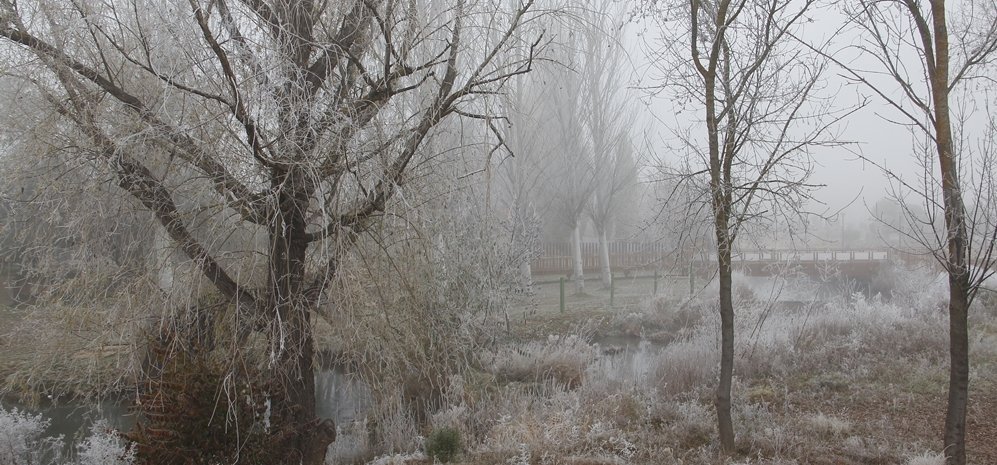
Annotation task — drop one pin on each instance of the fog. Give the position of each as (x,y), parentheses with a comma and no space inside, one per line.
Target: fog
(555,232)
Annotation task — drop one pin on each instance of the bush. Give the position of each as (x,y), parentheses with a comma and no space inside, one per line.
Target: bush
(105,447)
(23,441)
(443,445)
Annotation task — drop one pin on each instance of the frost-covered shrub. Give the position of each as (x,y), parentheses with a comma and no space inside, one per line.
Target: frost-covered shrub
(922,290)
(662,321)
(351,444)
(829,425)
(443,444)
(105,447)
(23,441)
(927,458)
(397,459)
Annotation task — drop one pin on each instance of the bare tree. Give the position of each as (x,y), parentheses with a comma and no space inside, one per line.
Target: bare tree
(586,109)
(951,49)
(292,120)
(523,172)
(921,57)
(572,171)
(609,117)
(737,64)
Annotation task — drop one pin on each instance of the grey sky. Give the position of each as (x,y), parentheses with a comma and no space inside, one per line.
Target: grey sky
(850,182)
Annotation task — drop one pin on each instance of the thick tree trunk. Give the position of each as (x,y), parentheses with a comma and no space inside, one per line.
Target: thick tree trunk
(576,253)
(607,272)
(291,345)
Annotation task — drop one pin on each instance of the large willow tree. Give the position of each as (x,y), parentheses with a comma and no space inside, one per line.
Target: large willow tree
(290,123)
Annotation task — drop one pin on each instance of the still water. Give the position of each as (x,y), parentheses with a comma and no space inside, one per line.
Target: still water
(338,396)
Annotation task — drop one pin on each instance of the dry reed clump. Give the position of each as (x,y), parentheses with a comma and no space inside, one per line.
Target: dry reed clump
(761,432)
(663,320)
(560,359)
(351,446)
(553,424)
(683,366)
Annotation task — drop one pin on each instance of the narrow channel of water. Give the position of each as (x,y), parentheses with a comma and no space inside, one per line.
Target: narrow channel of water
(625,358)
(338,396)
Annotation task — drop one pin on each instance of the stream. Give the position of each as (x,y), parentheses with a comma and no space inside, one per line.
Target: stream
(339,396)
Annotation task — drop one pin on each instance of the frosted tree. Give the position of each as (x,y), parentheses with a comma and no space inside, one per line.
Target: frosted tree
(572,173)
(261,136)
(932,63)
(609,118)
(754,89)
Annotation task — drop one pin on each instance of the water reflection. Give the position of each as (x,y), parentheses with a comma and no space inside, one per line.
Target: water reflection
(71,420)
(340,396)
(625,359)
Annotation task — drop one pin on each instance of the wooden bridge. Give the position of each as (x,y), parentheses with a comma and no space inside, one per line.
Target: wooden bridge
(856,263)
(630,257)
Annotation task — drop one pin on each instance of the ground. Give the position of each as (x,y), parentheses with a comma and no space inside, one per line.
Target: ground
(854,380)
(849,379)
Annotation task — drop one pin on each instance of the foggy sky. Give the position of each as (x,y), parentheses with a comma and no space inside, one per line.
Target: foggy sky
(850,183)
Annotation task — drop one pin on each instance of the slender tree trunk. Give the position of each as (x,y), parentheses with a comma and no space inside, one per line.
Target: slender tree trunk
(725,425)
(959,287)
(576,251)
(958,398)
(721,202)
(607,272)
(957,241)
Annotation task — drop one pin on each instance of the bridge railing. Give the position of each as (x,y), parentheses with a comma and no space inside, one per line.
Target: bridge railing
(858,255)
(556,257)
